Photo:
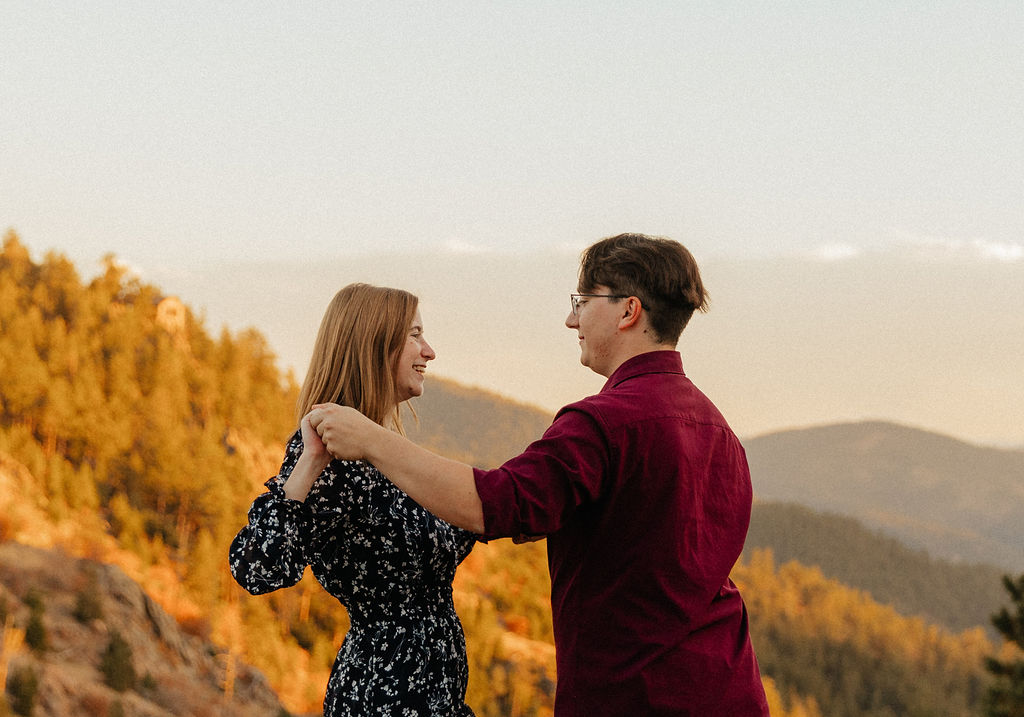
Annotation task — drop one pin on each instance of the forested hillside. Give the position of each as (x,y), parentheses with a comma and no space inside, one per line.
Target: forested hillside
(956,500)
(956,595)
(130,435)
(855,657)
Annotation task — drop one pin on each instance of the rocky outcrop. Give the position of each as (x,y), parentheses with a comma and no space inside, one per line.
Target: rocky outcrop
(176,673)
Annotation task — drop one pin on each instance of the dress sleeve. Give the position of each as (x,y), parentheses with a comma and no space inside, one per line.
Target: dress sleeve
(273,549)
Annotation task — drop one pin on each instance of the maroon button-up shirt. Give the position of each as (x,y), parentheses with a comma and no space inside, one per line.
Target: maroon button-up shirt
(644,493)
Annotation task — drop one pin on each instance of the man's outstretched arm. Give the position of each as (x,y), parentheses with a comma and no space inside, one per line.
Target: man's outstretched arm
(444,487)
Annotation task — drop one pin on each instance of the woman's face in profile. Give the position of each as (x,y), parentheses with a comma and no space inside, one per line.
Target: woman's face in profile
(412,362)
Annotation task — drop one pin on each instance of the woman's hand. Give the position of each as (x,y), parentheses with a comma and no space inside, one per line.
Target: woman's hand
(344,431)
(312,444)
(312,462)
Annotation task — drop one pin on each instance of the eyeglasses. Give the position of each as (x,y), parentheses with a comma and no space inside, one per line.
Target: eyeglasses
(576,303)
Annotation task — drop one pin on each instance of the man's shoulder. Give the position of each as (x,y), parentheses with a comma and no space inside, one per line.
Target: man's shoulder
(650,397)
(634,393)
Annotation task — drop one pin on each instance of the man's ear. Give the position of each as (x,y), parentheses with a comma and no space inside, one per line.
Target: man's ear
(632,310)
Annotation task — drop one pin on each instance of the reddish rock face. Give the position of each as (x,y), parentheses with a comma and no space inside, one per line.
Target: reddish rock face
(176,673)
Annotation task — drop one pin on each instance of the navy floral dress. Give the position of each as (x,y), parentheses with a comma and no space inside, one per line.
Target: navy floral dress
(390,563)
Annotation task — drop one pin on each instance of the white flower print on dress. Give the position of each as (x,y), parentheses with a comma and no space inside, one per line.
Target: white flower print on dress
(390,563)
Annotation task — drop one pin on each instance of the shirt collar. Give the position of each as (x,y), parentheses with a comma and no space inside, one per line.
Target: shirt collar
(650,362)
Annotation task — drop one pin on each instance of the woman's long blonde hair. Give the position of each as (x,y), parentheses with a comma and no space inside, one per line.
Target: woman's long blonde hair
(356,352)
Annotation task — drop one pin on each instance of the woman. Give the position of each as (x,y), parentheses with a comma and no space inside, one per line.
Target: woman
(387,560)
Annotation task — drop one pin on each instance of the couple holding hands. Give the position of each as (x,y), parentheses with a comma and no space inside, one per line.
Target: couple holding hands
(642,491)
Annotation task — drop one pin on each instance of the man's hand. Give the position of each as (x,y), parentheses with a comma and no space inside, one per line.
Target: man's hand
(344,430)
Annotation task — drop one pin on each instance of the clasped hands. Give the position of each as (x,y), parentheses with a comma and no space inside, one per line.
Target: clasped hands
(343,430)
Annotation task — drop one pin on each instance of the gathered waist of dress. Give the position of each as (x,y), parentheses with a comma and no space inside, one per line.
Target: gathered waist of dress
(425,602)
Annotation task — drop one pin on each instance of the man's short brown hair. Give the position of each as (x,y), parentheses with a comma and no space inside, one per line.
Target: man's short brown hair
(660,272)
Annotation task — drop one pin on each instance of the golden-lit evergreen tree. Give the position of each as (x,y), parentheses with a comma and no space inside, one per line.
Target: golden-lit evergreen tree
(1005,697)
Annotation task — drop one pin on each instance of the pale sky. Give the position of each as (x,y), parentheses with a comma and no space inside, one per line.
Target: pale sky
(850,175)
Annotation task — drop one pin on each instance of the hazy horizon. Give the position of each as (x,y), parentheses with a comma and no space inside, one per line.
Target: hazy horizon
(850,179)
(789,342)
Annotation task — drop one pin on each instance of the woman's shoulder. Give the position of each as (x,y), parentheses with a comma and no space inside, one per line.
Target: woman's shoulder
(353,470)
(343,479)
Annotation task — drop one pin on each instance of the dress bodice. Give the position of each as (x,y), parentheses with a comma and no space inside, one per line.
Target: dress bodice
(390,562)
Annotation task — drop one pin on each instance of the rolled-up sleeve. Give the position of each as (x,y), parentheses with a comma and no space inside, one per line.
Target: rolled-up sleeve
(534,493)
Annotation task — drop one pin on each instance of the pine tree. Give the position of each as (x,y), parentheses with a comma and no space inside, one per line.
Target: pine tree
(88,602)
(23,686)
(116,663)
(35,631)
(1006,696)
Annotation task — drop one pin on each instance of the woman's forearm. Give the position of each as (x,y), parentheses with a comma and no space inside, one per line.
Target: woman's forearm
(305,472)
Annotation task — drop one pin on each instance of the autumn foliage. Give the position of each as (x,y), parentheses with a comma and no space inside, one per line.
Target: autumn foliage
(143,439)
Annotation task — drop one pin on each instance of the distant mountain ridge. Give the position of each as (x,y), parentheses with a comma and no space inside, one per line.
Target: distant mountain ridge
(959,596)
(917,579)
(959,502)
(473,425)
(956,500)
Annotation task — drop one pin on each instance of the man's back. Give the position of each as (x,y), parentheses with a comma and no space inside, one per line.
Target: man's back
(646,619)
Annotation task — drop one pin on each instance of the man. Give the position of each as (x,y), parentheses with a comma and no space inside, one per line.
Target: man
(642,490)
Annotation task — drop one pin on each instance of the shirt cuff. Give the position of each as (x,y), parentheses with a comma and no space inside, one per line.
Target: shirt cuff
(500,506)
